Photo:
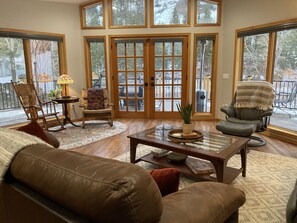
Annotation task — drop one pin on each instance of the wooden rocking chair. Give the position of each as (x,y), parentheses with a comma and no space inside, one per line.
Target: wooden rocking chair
(34,108)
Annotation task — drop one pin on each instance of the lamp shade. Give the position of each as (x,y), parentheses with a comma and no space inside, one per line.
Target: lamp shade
(65,79)
(43,78)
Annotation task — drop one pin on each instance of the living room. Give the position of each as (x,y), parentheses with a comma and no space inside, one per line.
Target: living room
(63,19)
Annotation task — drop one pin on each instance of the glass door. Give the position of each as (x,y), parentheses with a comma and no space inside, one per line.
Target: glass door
(129,77)
(167,82)
(149,76)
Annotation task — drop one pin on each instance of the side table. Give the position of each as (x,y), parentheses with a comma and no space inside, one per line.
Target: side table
(64,102)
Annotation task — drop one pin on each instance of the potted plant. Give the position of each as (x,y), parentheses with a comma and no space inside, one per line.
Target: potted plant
(55,93)
(186,113)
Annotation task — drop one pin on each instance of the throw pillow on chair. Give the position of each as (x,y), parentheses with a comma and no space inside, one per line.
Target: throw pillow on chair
(167,179)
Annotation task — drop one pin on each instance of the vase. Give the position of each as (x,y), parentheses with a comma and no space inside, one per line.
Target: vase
(58,95)
(187,128)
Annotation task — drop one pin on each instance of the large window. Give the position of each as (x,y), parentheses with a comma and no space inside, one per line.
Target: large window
(128,13)
(24,57)
(45,65)
(95,61)
(255,55)
(205,72)
(92,15)
(269,53)
(173,13)
(207,12)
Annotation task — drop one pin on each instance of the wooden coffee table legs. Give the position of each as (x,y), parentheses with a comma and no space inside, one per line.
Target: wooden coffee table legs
(243,160)
(133,145)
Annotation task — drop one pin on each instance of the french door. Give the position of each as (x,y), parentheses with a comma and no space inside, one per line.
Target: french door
(149,76)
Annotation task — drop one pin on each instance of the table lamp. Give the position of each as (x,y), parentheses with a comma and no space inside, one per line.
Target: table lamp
(63,80)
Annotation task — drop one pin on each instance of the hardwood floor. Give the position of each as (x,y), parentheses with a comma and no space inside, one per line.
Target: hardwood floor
(116,145)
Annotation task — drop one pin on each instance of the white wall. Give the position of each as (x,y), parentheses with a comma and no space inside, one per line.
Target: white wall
(239,14)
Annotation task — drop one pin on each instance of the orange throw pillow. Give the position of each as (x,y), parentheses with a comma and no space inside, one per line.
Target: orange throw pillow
(167,179)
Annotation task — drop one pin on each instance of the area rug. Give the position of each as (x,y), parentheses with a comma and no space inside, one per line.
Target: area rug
(268,184)
(73,137)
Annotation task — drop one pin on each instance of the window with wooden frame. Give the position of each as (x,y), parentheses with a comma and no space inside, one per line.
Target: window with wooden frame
(92,15)
(28,56)
(95,59)
(166,13)
(208,12)
(128,13)
(205,67)
(268,52)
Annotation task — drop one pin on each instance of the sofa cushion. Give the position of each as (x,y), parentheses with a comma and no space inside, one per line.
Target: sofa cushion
(33,128)
(167,179)
(124,192)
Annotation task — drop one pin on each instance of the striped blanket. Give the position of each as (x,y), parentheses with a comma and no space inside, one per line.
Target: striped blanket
(12,141)
(254,94)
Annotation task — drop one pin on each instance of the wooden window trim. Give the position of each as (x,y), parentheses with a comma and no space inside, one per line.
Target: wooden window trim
(88,65)
(110,26)
(152,16)
(82,15)
(43,36)
(206,115)
(219,14)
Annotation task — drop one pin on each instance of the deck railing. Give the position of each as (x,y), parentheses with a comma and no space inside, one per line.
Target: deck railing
(9,99)
(285,95)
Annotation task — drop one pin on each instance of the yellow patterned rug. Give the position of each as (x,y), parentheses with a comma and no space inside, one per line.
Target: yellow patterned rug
(268,184)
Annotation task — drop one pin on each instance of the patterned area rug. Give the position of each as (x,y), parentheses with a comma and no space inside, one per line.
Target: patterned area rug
(73,137)
(268,184)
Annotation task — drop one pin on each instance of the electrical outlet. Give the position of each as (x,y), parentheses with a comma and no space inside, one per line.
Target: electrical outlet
(226,76)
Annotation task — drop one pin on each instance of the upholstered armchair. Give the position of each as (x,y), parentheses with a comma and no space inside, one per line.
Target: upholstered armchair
(249,111)
(96,105)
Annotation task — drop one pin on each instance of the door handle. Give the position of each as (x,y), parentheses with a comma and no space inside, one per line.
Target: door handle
(145,84)
(152,84)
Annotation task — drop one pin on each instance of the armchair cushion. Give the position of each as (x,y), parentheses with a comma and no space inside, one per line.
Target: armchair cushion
(249,113)
(95,98)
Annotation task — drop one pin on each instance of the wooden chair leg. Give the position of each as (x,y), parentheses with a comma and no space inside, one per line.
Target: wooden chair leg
(61,124)
(83,122)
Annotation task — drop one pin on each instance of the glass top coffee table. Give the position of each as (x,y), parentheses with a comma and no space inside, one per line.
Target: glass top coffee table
(215,148)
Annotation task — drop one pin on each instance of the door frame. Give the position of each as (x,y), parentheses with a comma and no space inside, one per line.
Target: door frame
(149,112)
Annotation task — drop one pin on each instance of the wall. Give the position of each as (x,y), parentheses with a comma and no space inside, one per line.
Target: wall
(239,14)
(52,18)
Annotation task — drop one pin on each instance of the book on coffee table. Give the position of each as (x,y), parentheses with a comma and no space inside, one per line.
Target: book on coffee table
(199,166)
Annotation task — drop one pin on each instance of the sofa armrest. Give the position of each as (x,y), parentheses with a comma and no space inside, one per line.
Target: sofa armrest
(202,202)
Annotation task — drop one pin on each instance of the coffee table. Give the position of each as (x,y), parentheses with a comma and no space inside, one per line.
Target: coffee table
(215,148)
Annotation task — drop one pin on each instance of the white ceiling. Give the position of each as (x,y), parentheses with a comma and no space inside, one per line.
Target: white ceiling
(66,1)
